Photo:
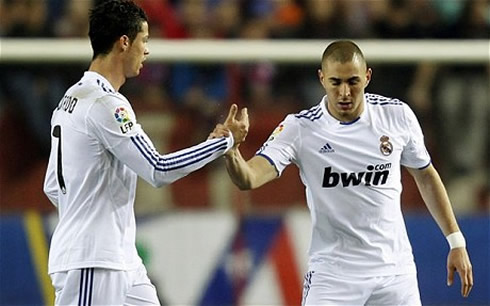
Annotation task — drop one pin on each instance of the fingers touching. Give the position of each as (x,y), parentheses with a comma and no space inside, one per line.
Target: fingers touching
(237,125)
(219,131)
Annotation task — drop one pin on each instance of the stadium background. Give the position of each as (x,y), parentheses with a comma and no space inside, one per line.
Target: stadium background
(205,242)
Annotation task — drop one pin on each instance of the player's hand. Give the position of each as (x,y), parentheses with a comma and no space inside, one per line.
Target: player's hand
(458,260)
(237,125)
(219,131)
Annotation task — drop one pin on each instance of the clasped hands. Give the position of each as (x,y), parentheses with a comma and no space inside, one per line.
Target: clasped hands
(238,126)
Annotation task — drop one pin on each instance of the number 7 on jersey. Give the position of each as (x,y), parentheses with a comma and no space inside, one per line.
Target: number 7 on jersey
(61,181)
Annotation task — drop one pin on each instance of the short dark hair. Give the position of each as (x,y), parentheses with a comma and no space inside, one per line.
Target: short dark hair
(112,19)
(342,51)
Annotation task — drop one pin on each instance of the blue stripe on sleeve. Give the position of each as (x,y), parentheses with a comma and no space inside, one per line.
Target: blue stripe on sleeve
(155,156)
(180,161)
(311,114)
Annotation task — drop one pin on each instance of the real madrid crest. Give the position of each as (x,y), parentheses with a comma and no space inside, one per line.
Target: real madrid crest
(386,147)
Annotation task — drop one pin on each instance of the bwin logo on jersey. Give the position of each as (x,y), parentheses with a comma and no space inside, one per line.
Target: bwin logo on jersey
(369,178)
(327,148)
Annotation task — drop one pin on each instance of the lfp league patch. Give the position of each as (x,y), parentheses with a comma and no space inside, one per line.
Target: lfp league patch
(274,134)
(122,117)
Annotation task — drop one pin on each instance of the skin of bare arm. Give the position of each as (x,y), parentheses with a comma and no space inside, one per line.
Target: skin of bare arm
(437,201)
(249,174)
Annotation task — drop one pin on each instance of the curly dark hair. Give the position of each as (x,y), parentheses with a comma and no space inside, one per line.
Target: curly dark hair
(112,19)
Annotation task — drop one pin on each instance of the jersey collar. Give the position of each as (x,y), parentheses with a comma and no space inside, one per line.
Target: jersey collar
(92,75)
(334,121)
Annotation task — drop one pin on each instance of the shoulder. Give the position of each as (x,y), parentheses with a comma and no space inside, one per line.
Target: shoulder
(307,117)
(382,101)
(385,109)
(108,105)
(388,106)
(311,114)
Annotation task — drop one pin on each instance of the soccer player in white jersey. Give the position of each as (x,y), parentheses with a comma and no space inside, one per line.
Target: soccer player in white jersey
(98,150)
(349,149)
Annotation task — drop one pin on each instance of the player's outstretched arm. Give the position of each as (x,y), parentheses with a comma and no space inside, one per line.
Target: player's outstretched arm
(250,174)
(245,174)
(435,197)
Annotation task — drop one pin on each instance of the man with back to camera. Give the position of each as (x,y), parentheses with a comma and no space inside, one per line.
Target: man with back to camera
(97,151)
(349,149)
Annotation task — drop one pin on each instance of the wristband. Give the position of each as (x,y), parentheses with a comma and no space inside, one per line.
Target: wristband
(456,240)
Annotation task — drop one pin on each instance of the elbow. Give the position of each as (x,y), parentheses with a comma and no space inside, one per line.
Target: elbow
(244,186)
(157,184)
(53,197)
(160,181)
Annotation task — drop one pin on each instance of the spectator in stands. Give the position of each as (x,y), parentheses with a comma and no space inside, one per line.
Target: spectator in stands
(199,89)
(225,18)
(74,21)
(34,93)
(457,98)
(24,18)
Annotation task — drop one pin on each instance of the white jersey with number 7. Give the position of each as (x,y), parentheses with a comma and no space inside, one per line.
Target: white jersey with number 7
(97,151)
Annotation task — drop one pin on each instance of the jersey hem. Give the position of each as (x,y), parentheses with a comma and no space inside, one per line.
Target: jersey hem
(356,273)
(93,265)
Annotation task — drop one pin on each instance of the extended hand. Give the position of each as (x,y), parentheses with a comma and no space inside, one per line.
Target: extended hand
(237,126)
(459,260)
(219,131)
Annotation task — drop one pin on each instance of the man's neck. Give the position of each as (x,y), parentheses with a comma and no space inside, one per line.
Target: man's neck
(110,68)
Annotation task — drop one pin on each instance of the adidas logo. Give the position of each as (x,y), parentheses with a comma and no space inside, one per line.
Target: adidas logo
(327,148)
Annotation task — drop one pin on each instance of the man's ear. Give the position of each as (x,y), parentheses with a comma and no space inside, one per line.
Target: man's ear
(369,73)
(321,77)
(124,42)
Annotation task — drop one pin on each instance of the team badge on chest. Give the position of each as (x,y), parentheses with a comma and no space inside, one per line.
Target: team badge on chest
(386,147)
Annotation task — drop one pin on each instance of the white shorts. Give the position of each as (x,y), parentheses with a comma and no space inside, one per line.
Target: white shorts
(325,289)
(98,286)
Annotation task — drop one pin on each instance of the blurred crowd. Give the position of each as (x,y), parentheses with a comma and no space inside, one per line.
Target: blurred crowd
(178,104)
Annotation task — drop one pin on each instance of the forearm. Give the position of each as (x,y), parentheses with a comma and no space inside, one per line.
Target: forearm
(436,199)
(238,169)
(140,155)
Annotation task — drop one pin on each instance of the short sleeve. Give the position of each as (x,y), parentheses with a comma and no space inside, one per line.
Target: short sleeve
(281,146)
(415,154)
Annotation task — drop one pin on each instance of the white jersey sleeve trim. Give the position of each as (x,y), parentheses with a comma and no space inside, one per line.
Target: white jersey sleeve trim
(415,154)
(281,147)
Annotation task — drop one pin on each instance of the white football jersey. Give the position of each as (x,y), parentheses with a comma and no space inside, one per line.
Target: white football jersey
(97,151)
(352,176)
